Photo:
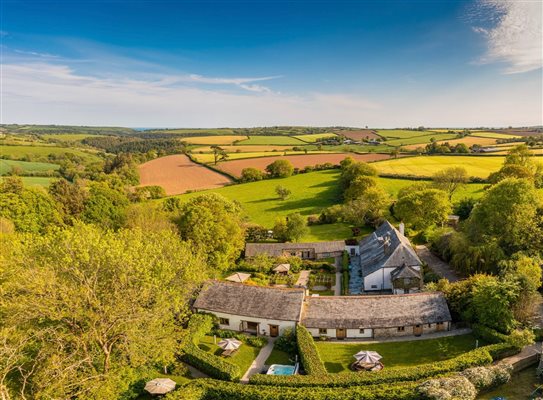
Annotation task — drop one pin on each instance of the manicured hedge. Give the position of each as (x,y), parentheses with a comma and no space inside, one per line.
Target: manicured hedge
(473,358)
(217,390)
(309,355)
(210,364)
(488,334)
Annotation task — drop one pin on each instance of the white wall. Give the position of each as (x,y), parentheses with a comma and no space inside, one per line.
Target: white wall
(351,333)
(235,322)
(380,278)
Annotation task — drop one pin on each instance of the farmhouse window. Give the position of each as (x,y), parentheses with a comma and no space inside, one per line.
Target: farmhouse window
(374,286)
(323,331)
(401,328)
(362,331)
(439,324)
(224,321)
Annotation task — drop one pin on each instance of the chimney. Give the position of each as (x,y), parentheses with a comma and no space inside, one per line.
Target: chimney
(402,228)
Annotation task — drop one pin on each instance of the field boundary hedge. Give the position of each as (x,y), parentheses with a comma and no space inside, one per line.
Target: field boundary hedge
(199,325)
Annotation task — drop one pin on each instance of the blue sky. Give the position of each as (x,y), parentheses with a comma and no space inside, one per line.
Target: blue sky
(253,63)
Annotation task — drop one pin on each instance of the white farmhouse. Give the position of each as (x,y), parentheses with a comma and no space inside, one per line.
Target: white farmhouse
(388,262)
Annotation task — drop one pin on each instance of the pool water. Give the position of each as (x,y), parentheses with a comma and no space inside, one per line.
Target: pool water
(277,369)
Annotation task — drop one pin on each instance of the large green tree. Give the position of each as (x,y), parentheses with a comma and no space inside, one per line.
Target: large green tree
(281,168)
(291,228)
(105,206)
(451,179)
(510,213)
(86,312)
(423,208)
(368,208)
(214,225)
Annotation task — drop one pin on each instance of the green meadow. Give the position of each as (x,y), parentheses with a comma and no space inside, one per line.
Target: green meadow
(40,152)
(425,139)
(272,140)
(311,192)
(6,166)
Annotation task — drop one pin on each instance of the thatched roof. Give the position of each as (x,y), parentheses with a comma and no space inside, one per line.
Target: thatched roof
(354,312)
(386,248)
(282,268)
(251,301)
(238,277)
(277,249)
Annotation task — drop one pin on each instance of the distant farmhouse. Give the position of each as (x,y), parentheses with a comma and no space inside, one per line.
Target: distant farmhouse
(306,251)
(269,311)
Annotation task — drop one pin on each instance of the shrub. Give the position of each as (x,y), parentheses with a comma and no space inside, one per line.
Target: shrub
(256,341)
(520,338)
(451,388)
(484,378)
(280,169)
(210,364)
(501,350)
(477,357)
(251,175)
(309,355)
(216,390)
(287,342)
(488,334)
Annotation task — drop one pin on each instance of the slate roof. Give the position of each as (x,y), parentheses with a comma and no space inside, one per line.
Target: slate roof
(388,311)
(251,301)
(405,271)
(373,255)
(277,249)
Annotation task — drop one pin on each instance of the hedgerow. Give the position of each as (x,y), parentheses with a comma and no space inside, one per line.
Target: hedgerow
(217,390)
(488,334)
(309,355)
(210,364)
(477,357)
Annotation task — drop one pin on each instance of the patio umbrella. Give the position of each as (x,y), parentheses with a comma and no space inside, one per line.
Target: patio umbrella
(367,357)
(160,386)
(229,344)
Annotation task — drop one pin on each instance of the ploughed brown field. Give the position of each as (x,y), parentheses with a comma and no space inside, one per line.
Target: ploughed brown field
(360,134)
(235,167)
(178,174)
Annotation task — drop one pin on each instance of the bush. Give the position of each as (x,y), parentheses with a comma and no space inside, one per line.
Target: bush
(287,342)
(217,390)
(309,355)
(451,388)
(256,341)
(280,169)
(477,357)
(251,175)
(210,364)
(501,350)
(484,378)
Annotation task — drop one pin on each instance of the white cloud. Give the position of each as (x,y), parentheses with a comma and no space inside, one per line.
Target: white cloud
(517,37)
(47,93)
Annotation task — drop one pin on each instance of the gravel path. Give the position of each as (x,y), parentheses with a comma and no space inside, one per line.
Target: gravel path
(437,265)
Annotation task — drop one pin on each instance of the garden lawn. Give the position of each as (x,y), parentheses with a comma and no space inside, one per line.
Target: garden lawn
(41,152)
(337,356)
(479,166)
(243,358)
(26,166)
(278,140)
(278,357)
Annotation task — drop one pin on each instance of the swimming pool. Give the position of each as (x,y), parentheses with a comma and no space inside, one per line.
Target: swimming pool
(278,369)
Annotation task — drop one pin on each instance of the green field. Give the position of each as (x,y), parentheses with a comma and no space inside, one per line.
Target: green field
(69,137)
(311,193)
(479,166)
(402,133)
(26,167)
(313,138)
(337,356)
(41,152)
(494,135)
(277,140)
(425,139)
(33,181)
